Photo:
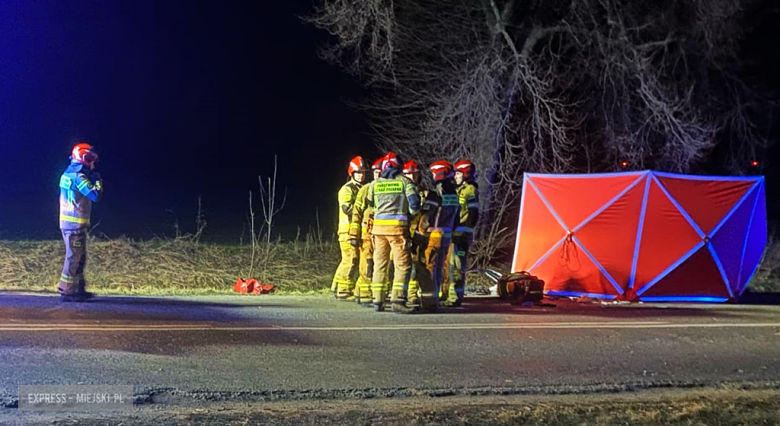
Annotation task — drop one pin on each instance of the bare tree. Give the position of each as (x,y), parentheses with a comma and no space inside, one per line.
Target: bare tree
(271,207)
(200,222)
(549,86)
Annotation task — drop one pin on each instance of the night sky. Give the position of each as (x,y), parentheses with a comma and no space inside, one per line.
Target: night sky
(181,98)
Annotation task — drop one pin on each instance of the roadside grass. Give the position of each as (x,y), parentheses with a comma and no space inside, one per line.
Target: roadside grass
(182,267)
(744,410)
(719,408)
(731,405)
(168,267)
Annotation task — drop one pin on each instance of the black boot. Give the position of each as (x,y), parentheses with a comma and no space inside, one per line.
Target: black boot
(72,298)
(401,308)
(83,292)
(86,294)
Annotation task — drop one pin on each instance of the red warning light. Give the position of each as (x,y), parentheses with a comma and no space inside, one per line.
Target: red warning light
(754,163)
(624,164)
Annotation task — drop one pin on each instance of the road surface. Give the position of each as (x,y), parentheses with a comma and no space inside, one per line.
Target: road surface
(297,348)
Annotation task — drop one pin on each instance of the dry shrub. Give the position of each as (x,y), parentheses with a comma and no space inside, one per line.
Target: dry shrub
(767,278)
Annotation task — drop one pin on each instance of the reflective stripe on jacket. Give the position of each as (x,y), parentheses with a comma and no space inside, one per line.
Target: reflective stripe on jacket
(347,195)
(441,211)
(362,215)
(468,196)
(395,200)
(79,188)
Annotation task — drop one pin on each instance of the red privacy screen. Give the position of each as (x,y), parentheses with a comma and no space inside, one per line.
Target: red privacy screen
(642,236)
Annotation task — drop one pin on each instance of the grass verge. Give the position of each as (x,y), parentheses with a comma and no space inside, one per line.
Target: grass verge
(167,267)
(182,267)
(723,407)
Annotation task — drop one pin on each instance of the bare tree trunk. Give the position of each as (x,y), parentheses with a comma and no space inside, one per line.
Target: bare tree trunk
(253,236)
(271,208)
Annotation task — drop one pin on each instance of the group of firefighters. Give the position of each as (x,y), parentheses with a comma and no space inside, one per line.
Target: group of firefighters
(425,233)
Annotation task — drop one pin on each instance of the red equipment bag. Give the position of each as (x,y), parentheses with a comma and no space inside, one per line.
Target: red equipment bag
(252,286)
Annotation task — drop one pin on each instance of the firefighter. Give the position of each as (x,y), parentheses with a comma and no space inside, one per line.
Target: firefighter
(360,236)
(394,200)
(440,212)
(343,281)
(412,172)
(463,236)
(80,186)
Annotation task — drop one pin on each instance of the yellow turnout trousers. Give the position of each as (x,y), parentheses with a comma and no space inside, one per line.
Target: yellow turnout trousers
(366,269)
(386,246)
(344,282)
(429,271)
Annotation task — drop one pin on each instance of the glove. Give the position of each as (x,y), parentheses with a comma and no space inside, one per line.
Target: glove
(355,242)
(420,240)
(98,180)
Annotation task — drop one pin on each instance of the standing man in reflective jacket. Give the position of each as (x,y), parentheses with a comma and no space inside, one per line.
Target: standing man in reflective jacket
(344,279)
(394,200)
(463,237)
(80,186)
(360,236)
(440,212)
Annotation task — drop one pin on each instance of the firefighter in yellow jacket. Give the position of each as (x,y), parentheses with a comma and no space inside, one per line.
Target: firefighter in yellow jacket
(343,282)
(360,236)
(463,236)
(394,200)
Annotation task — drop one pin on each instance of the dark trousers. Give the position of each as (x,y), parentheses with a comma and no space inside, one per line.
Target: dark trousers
(72,278)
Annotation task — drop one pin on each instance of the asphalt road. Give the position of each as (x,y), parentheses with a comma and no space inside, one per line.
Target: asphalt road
(300,347)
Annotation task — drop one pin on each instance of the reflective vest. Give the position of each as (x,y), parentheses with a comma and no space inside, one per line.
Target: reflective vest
(347,195)
(79,188)
(395,200)
(362,216)
(468,196)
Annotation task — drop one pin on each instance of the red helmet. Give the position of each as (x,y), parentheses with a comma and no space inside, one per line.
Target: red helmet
(390,161)
(84,153)
(377,164)
(441,170)
(410,167)
(358,164)
(467,168)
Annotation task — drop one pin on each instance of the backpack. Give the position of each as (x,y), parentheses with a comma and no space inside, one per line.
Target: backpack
(520,287)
